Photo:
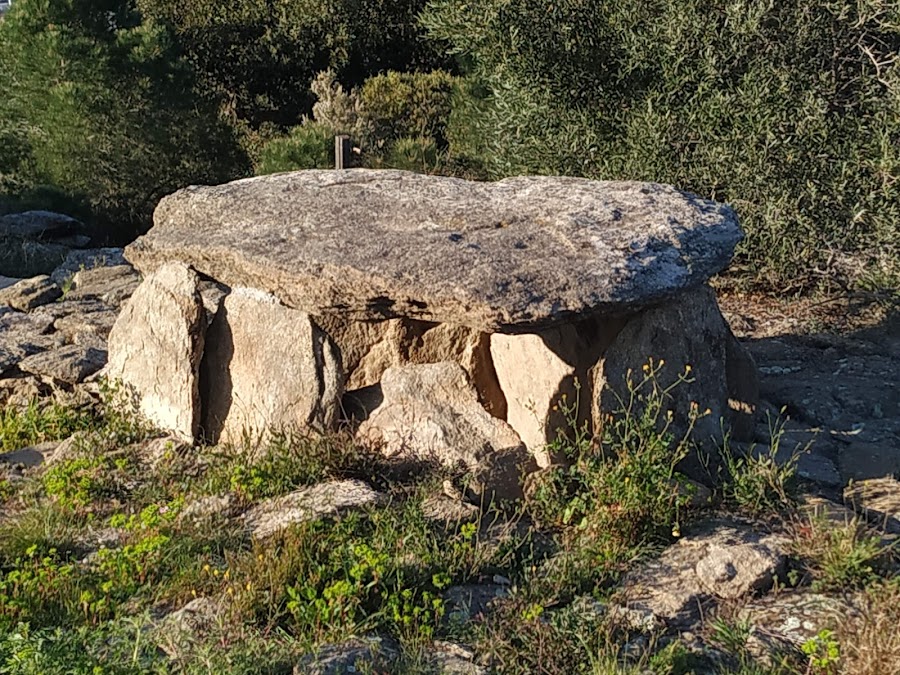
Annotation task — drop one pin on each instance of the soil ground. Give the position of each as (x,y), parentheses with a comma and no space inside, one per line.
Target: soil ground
(833,366)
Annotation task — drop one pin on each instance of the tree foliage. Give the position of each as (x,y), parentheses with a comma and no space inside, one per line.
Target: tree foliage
(96,101)
(261,55)
(788,110)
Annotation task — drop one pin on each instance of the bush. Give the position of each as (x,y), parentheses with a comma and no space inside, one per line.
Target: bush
(308,146)
(398,120)
(407,105)
(789,111)
(621,486)
(414,154)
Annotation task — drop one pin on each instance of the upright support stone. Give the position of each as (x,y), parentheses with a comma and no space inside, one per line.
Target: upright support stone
(155,347)
(431,412)
(267,367)
(689,336)
(542,374)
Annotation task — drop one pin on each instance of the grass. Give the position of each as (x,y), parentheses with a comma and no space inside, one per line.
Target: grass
(761,482)
(98,548)
(40,422)
(840,556)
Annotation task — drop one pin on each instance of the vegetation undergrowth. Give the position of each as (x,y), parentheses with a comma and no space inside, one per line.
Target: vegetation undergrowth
(124,527)
(763,481)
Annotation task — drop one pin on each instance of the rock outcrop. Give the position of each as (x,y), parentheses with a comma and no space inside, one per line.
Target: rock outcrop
(719,561)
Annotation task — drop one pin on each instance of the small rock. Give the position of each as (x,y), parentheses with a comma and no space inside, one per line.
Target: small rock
(30,293)
(39,225)
(819,508)
(207,508)
(720,560)
(213,295)
(72,447)
(698,494)
(19,391)
(467,602)
(24,259)
(155,451)
(87,259)
(22,335)
(369,348)
(818,469)
(790,618)
(70,363)
(31,456)
(86,323)
(6,282)
(450,658)
(179,631)
(112,285)
(636,618)
(309,503)
(449,511)
(860,460)
(366,654)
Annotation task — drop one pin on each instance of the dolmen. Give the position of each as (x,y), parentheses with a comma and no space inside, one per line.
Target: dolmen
(465,321)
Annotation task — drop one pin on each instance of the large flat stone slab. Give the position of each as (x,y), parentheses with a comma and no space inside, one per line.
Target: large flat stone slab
(510,256)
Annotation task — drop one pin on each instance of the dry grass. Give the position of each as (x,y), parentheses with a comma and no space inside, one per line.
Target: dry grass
(872,645)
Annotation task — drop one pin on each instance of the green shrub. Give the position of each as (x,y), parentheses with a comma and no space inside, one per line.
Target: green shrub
(761,482)
(397,106)
(398,120)
(839,556)
(384,568)
(259,56)
(308,146)
(789,111)
(621,486)
(413,154)
(38,422)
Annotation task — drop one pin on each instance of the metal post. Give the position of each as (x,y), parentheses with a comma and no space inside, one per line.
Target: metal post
(341,152)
